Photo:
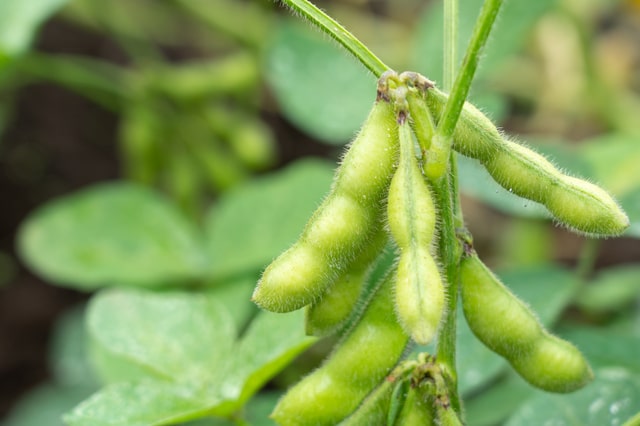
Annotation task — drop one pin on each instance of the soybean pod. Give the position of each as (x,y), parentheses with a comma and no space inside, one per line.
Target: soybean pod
(576,203)
(412,218)
(326,315)
(509,328)
(363,358)
(343,224)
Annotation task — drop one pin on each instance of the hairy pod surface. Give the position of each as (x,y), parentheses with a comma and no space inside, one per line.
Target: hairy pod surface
(554,365)
(342,225)
(359,362)
(495,315)
(509,328)
(579,205)
(412,217)
(326,315)
(415,411)
(375,407)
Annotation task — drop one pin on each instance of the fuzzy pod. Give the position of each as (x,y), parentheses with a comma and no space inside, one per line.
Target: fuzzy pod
(509,328)
(375,407)
(495,315)
(554,365)
(412,216)
(415,411)
(577,204)
(344,223)
(328,314)
(360,361)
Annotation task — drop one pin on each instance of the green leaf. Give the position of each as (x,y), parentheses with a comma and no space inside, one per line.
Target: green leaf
(255,222)
(605,347)
(176,336)
(68,356)
(148,403)
(111,234)
(19,21)
(614,159)
(630,202)
(271,342)
(260,407)
(611,290)
(612,398)
(46,404)
(319,88)
(237,292)
(495,404)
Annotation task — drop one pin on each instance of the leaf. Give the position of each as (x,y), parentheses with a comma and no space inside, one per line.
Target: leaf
(236,293)
(611,290)
(175,336)
(19,21)
(110,234)
(495,404)
(255,222)
(147,403)
(614,159)
(68,357)
(605,347)
(319,88)
(630,202)
(612,398)
(46,404)
(270,343)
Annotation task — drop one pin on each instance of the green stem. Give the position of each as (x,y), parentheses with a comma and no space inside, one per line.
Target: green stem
(450,43)
(464,78)
(340,34)
(587,259)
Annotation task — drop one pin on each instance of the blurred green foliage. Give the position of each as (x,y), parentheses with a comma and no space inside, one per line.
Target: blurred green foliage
(170,329)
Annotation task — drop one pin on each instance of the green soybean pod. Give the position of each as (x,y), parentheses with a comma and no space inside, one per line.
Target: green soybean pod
(343,224)
(416,411)
(579,205)
(554,365)
(509,328)
(495,315)
(412,217)
(326,315)
(361,360)
(374,408)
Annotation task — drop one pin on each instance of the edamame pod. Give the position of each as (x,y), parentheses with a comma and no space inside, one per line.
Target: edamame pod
(415,411)
(508,327)
(326,315)
(359,362)
(412,218)
(343,224)
(579,205)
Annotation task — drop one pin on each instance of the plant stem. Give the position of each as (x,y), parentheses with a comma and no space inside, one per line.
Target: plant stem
(450,44)
(587,259)
(464,78)
(340,34)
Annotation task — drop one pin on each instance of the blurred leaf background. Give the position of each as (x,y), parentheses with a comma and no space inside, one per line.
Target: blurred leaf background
(156,155)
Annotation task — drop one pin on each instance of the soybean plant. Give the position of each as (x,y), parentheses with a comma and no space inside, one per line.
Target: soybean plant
(394,185)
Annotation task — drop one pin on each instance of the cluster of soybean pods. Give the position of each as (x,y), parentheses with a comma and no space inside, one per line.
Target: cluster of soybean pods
(381,192)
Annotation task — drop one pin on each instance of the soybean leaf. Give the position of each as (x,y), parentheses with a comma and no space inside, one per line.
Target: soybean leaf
(612,398)
(614,159)
(270,343)
(175,336)
(492,406)
(110,234)
(319,88)
(68,356)
(260,407)
(19,21)
(147,403)
(605,347)
(46,404)
(255,222)
(611,290)
(630,202)
(236,294)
